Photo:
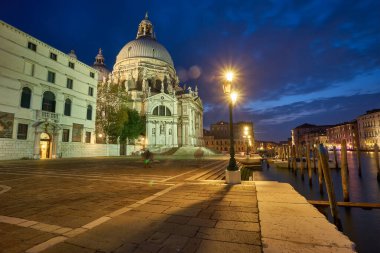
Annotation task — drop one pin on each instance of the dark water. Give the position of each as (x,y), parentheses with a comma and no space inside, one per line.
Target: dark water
(361,226)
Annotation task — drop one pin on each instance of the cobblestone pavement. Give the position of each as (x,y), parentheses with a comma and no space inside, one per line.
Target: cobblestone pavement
(117,205)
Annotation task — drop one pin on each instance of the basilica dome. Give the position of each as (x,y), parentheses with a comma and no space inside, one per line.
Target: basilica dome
(145,45)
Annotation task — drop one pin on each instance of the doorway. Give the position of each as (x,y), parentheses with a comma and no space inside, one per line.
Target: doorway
(45,143)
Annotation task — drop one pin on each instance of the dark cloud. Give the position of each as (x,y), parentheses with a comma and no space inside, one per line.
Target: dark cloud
(281,48)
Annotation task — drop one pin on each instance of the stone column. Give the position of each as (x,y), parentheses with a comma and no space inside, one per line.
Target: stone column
(36,152)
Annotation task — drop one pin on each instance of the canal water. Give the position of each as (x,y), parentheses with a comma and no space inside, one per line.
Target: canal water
(361,226)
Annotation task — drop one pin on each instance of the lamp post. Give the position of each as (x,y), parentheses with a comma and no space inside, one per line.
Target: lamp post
(233,175)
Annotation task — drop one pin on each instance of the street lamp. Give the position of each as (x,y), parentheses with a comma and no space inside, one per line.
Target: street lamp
(232,173)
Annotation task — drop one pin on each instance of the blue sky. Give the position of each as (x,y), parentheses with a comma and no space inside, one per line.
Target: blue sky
(298,61)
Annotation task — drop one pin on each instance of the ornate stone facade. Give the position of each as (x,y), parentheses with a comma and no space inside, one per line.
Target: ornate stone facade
(145,69)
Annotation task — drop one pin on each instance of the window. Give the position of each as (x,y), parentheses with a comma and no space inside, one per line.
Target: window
(67,111)
(153,131)
(161,110)
(89,112)
(90,91)
(48,101)
(65,135)
(32,46)
(92,74)
(162,129)
(88,137)
(53,56)
(25,97)
(170,131)
(22,131)
(51,77)
(71,64)
(69,83)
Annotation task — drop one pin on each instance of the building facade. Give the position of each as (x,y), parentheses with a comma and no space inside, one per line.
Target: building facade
(311,134)
(345,131)
(369,129)
(47,98)
(218,137)
(145,71)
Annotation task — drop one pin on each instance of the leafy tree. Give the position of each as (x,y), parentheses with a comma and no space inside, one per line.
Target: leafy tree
(133,127)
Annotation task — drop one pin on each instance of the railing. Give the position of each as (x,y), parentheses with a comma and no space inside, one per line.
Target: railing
(47,116)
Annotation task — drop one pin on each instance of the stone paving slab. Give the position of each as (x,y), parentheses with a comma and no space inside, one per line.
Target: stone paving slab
(290,224)
(164,225)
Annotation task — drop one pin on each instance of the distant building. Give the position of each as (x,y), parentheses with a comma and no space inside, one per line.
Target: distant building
(218,137)
(344,131)
(308,133)
(369,129)
(47,99)
(268,146)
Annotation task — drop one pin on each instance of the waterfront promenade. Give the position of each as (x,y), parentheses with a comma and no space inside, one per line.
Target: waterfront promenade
(117,205)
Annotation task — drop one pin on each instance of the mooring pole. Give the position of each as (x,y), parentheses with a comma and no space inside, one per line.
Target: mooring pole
(320,176)
(335,158)
(344,171)
(301,151)
(323,156)
(309,164)
(376,150)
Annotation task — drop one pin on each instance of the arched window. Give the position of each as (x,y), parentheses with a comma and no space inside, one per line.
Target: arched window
(25,97)
(155,111)
(48,101)
(162,110)
(67,110)
(89,112)
(168,113)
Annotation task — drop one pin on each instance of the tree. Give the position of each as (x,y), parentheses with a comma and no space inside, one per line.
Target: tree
(133,127)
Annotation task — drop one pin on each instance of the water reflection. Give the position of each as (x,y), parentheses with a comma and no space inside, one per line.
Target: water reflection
(362,226)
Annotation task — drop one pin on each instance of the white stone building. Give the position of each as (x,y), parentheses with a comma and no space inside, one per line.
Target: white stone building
(145,69)
(47,100)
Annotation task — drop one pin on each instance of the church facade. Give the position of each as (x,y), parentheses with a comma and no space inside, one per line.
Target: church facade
(145,71)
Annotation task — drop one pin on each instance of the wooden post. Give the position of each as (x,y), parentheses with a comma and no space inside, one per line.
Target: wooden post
(376,150)
(292,154)
(295,159)
(301,161)
(335,158)
(323,156)
(358,154)
(309,164)
(288,154)
(344,171)
(314,158)
(320,177)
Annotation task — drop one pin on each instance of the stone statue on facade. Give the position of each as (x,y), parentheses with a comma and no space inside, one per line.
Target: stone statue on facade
(149,93)
(196,91)
(170,88)
(126,85)
(162,87)
(144,85)
(190,91)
